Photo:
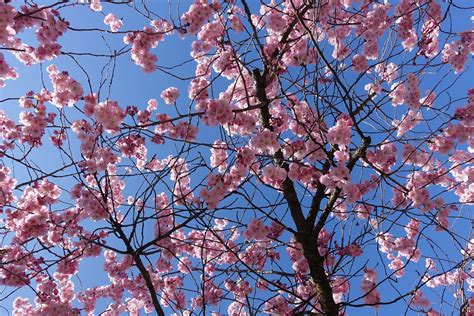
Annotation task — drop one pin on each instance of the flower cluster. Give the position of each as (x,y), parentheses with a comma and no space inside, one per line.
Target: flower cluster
(337,177)
(198,89)
(9,131)
(67,91)
(405,30)
(278,305)
(56,295)
(407,122)
(397,93)
(359,63)
(113,22)
(51,28)
(412,92)
(7,22)
(212,32)
(196,16)
(387,72)
(219,156)
(183,130)
(95,5)
(170,95)
(369,287)
(300,54)
(384,157)
(142,42)
(218,112)
(34,124)
(457,53)
(371,28)
(256,230)
(274,176)
(133,146)
(430,30)
(236,23)
(110,115)
(218,189)
(340,134)
(352,250)
(7,184)
(6,72)
(265,142)
(31,219)
(96,157)
(180,175)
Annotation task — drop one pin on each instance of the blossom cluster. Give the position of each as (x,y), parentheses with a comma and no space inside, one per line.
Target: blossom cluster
(170,95)
(263,133)
(143,41)
(113,22)
(67,91)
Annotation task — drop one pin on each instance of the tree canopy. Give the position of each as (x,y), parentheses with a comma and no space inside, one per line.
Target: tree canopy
(236,157)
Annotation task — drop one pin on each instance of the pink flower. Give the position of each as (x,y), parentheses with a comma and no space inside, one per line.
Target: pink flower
(196,16)
(456,53)
(219,156)
(352,250)
(359,63)
(95,5)
(336,178)
(405,30)
(198,89)
(7,184)
(236,23)
(412,92)
(419,300)
(397,95)
(265,142)
(218,112)
(142,43)
(110,115)
(398,265)
(340,134)
(67,91)
(274,176)
(278,305)
(113,22)
(169,95)
(369,287)
(384,157)
(6,72)
(412,228)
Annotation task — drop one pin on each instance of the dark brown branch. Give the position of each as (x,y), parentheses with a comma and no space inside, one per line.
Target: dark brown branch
(304,234)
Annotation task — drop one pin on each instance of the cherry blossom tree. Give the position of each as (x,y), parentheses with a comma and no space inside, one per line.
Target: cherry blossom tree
(295,157)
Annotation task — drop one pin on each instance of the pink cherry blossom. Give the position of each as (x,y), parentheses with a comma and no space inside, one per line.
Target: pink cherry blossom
(322,159)
(113,22)
(67,91)
(273,176)
(109,114)
(170,95)
(340,133)
(359,62)
(369,286)
(265,142)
